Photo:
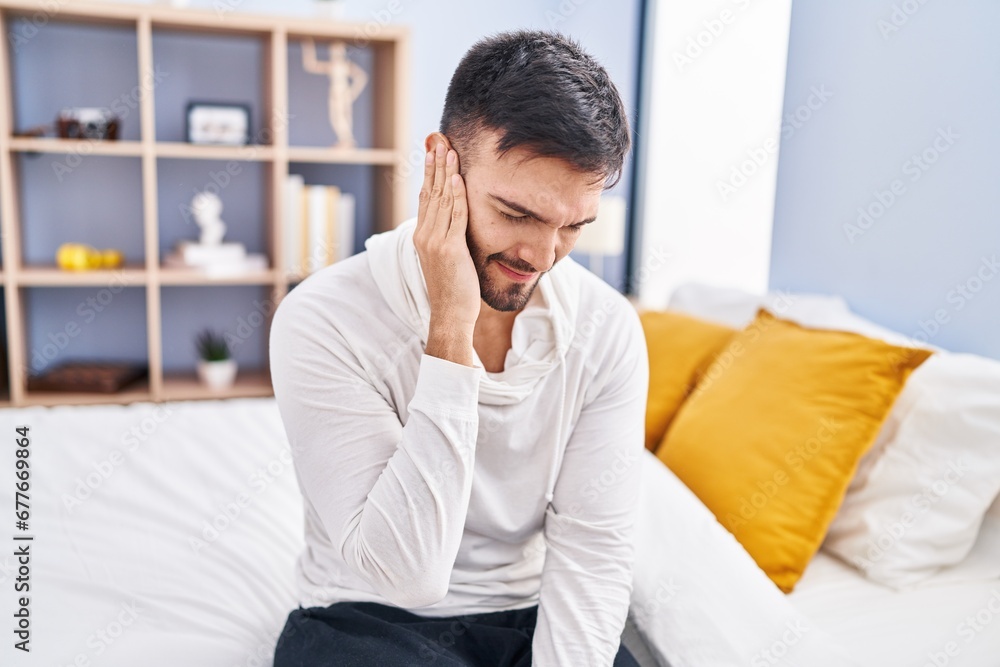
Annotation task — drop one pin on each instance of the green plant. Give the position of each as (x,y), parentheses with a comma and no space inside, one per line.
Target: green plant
(212,346)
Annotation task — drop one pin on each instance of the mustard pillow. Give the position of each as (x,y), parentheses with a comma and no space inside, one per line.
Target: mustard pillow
(679,346)
(771,435)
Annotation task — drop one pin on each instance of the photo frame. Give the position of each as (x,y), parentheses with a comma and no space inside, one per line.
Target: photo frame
(217,123)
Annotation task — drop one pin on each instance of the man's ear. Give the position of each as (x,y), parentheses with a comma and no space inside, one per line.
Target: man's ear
(433,139)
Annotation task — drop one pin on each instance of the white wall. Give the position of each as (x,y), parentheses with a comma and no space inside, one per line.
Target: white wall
(714,117)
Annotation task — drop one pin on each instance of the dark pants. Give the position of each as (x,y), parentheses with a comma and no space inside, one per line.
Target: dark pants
(368,634)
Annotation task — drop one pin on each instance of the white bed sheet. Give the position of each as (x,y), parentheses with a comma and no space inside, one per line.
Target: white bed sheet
(129,576)
(700,600)
(120,579)
(927,626)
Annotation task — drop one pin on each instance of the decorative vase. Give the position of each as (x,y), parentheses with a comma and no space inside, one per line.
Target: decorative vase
(217,375)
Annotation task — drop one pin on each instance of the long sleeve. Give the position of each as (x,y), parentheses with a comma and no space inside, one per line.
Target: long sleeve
(392,498)
(587,576)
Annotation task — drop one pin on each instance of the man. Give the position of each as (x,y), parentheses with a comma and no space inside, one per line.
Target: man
(465,404)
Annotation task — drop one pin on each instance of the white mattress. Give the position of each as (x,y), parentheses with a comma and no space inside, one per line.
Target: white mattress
(121,579)
(124,564)
(885,628)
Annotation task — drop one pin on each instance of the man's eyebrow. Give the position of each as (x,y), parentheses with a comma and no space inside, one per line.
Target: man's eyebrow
(526,211)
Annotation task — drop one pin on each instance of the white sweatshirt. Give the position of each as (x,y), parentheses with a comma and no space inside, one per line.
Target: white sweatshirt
(418,495)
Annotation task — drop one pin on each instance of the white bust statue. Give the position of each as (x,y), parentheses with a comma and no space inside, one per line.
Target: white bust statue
(206,207)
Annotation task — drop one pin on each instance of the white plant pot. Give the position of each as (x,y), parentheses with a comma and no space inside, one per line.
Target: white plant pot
(217,375)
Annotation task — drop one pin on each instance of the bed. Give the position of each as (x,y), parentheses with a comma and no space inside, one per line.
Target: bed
(711,605)
(167,534)
(177,550)
(925,626)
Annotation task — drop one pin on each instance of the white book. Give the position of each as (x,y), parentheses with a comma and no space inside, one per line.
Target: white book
(345,226)
(252,262)
(316,242)
(293,224)
(331,233)
(196,254)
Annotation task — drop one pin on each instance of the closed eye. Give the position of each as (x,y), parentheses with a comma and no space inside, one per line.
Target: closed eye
(515,218)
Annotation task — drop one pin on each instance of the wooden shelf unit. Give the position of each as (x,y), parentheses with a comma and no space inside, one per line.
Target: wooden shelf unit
(388,82)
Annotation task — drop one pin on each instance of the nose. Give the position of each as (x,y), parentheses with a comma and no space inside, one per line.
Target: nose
(541,248)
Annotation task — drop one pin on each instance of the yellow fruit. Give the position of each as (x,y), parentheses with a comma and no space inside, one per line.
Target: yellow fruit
(93,258)
(73,256)
(111,258)
(81,257)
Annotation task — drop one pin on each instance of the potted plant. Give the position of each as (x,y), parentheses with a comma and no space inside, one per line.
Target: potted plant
(216,368)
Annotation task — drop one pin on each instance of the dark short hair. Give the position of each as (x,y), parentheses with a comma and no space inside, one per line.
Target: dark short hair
(543,92)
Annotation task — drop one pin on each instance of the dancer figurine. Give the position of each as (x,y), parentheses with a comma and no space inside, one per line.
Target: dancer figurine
(347,80)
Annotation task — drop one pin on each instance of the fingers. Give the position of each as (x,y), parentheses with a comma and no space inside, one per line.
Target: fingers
(448,195)
(460,210)
(433,188)
(443,200)
(425,189)
(437,189)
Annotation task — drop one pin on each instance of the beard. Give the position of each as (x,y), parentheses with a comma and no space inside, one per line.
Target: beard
(499,293)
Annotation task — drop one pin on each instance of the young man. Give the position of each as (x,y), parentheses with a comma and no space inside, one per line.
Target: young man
(465,404)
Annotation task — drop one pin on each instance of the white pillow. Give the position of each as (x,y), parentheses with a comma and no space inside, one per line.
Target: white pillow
(736,308)
(918,506)
(981,563)
(949,407)
(698,598)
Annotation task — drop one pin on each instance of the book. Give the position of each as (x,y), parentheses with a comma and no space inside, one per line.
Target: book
(304,264)
(196,254)
(319,226)
(331,232)
(345,226)
(292,238)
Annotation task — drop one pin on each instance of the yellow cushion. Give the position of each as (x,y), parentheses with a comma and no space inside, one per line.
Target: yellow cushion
(771,435)
(678,347)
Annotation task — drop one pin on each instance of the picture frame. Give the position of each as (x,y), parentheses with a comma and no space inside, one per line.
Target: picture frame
(217,123)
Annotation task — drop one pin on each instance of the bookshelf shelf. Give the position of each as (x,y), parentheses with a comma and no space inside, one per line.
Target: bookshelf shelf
(138,391)
(172,276)
(367,156)
(82,15)
(176,149)
(185,386)
(75,146)
(42,276)
(161,308)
